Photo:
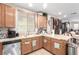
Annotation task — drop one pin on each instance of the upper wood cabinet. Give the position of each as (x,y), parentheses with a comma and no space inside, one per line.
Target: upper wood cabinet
(0,17)
(7,16)
(41,21)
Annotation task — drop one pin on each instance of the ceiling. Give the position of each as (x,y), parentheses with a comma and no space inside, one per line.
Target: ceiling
(69,9)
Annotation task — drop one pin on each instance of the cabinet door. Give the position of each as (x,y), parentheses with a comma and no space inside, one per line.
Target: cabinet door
(1,49)
(2,16)
(42,22)
(46,43)
(26,46)
(58,47)
(9,16)
(40,42)
(35,43)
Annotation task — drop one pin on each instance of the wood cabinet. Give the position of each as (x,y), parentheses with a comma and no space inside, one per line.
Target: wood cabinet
(7,16)
(10,16)
(46,43)
(0,16)
(1,48)
(41,21)
(40,38)
(35,43)
(26,46)
(58,47)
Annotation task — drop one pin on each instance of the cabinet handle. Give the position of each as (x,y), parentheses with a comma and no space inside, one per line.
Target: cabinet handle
(27,42)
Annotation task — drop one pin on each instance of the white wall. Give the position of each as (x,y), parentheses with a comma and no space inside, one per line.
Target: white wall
(72,20)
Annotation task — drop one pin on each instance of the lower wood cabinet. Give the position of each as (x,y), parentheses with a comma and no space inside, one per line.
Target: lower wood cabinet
(1,48)
(55,46)
(26,46)
(35,43)
(46,43)
(58,47)
(40,38)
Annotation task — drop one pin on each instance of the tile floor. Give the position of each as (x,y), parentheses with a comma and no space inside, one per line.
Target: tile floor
(40,52)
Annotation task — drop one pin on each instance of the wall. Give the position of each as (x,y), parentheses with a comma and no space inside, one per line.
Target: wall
(72,20)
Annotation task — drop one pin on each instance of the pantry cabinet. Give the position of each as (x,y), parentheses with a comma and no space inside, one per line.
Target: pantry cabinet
(1,48)
(7,16)
(26,46)
(46,43)
(58,47)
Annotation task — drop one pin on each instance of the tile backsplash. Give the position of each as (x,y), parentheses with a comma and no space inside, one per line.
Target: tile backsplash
(3,32)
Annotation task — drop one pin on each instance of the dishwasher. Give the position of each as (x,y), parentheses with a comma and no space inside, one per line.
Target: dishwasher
(12,47)
(72,46)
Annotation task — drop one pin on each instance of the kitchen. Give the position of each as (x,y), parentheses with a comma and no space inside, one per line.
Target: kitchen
(27,28)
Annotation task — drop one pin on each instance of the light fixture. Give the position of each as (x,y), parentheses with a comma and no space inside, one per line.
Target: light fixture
(59,13)
(44,5)
(65,15)
(30,4)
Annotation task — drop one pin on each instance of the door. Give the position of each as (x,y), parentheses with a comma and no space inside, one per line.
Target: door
(26,46)
(46,43)
(9,16)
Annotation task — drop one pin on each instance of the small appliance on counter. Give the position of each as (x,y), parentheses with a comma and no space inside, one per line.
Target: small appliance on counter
(3,34)
(11,33)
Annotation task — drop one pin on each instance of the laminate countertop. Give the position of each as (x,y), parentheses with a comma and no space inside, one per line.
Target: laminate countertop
(62,37)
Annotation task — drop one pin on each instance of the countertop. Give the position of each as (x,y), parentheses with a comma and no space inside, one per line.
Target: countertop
(62,37)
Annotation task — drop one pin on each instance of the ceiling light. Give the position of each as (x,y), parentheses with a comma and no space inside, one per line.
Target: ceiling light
(30,4)
(59,13)
(44,5)
(65,15)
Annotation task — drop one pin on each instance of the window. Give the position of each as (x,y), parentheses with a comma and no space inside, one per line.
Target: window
(75,26)
(25,23)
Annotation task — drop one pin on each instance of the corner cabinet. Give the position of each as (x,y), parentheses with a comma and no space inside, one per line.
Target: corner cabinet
(46,43)
(26,46)
(58,47)
(1,48)
(7,16)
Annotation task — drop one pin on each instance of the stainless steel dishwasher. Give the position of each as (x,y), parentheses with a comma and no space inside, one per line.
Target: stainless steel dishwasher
(12,48)
(72,46)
